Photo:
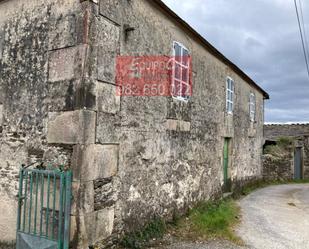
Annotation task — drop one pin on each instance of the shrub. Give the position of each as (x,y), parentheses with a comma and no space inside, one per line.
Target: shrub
(285,142)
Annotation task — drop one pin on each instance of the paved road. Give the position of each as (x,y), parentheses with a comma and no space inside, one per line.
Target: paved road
(276,217)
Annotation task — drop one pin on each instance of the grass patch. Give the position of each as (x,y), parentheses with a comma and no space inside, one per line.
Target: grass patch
(154,230)
(210,220)
(215,219)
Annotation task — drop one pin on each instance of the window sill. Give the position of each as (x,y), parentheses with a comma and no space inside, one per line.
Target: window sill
(181,99)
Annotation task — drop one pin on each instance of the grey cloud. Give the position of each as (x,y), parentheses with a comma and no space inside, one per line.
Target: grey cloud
(262,38)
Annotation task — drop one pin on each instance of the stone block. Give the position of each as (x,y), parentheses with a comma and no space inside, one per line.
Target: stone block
(95,161)
(228,126)
(8,214)
(107,128)
(91,228)
(171,124)
(62,95)
(1,42)
(62,32)
(177,125)
(107,34)
(1,115)
(106,65)
(184,126)
(66,63)
(111,9)
(83,198)
(106,99)
(99,224)
(73,127)
(107,40)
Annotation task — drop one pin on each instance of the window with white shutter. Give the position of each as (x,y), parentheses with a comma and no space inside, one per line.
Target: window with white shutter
(252,107)
(181,88)
(229,95)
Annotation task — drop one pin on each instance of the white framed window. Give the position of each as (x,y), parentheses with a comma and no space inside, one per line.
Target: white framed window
(229,95)
(181,88)
(252,107)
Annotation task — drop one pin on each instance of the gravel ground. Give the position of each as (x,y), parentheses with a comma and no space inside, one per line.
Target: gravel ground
(171,242)
(218,244)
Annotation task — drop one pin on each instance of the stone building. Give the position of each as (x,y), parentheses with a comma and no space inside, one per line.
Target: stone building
(294,164)
(133,158)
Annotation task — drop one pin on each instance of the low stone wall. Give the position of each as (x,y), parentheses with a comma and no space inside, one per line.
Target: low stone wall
(275,131)
(277,168)
(283,167)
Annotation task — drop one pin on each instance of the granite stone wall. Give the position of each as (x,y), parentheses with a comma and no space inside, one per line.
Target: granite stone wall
(48,108)
(171,151)
(133,158)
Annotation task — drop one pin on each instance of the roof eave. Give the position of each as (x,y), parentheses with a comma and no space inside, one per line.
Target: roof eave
(210,47)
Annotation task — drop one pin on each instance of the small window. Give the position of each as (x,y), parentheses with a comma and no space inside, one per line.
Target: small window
(252,107)
(181,88)
(229,95)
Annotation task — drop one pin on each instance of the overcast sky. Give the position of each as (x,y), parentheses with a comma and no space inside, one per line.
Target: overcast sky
(262,38)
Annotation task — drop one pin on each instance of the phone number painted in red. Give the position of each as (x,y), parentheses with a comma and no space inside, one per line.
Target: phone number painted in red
(153,76)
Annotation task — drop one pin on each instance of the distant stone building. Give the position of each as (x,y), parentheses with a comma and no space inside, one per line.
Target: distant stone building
(133,158)
(294,164)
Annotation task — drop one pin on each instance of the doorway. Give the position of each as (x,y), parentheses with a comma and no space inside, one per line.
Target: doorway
(298,164)
(226,162)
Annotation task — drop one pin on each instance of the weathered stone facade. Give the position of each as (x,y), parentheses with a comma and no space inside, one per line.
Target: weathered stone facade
(283,168)
(133,158)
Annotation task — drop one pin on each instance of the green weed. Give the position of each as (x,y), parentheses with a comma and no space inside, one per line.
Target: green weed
(155,229)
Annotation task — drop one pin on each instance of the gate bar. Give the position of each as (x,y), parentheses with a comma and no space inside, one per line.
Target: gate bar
(54,206)
(60,212)
(25,200)
(36,200)
(47,204)
(30,205)
(42,198)
(20,192)
(67,215)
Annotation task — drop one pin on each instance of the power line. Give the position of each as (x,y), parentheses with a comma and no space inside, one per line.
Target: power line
(304,28)
(302,37)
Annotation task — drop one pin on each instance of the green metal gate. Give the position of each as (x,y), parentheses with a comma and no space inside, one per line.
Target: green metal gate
(44,207)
